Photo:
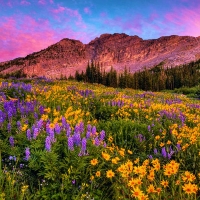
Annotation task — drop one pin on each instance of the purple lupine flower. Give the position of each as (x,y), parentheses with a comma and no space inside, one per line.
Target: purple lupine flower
(94,130)
(104,145)
(41,109)
(76,128)
(64,123)
(22,110)
(102,135)
(170,153)
(96,141)
(119,103)
(19,125)
(40,124)
(28,134)
(77,139)
(33,127)
(164,153)
(83,147)
(52,135)
(74,182)
(68,132)
(47,127)
(113,103)
(178,147)
(21,165)
(150,157)
(35,133)
(57,128)
(70,143)
(81,127)
(11,140)
(27,154)
(10,158)
(155,151)
(89,128)
(10,115)
(88,134)
(141,137)
(48,143)
(149,128)
(9,127)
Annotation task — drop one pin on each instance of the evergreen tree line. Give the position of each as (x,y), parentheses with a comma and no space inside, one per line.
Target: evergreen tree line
(16,74)
(154,79)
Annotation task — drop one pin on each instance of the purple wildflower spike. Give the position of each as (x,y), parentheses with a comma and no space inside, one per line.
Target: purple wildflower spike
(28,134)
(164,153)
(11,140)
(9,127)
(96,141)
(102,135)
(27,153)
(77,139)
(155,151)
(35,133)
(70,143)
(57,128)
(48,143)
(94,130)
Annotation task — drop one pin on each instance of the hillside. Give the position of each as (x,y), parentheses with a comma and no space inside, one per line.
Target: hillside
(117,50)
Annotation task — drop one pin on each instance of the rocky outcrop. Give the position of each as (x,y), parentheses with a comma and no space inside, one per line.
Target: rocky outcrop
(117,50)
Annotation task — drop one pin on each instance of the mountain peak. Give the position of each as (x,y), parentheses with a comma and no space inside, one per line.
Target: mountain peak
(117,50)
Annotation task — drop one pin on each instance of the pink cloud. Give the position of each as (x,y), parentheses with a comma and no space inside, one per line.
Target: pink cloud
(43,2)
(131,24)
(24,2)
(19,41)
(58,10)
(22,35)
(185,21)
(68,15)
(87,10)
(103,14)
(9,4)
(73,13)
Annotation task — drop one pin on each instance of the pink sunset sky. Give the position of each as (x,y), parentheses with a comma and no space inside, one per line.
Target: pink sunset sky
(27,26)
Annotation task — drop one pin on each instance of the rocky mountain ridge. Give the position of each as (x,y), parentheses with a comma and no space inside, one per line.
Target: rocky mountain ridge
(117,50)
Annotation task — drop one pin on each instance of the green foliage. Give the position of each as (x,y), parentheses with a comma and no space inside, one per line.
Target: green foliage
(16,74)
(136,125)
(155,79)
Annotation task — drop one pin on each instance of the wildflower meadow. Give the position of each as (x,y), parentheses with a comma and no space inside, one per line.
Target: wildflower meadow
(65,140)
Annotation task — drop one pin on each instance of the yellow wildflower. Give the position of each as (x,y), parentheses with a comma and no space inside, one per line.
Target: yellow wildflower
(151,189)
(98,174)
(106,156)
(164,183)
(130,152)
(110,139)
(110,174)
(136,192)
(94,162)
(190,188)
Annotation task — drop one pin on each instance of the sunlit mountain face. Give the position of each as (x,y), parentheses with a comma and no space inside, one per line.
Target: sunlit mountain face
(29,26)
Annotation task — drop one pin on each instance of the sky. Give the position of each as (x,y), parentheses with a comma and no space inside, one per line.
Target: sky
(28,26)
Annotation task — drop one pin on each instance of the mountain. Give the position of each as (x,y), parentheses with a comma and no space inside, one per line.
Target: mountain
(117,50)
